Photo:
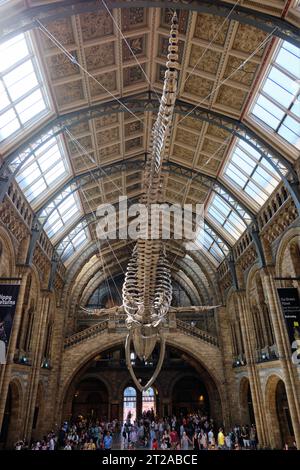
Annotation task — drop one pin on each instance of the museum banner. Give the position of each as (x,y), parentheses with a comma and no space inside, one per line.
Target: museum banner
(8,302)
(290,305)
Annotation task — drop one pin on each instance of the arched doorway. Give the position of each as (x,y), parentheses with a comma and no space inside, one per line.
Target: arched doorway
(280,423)
(10,431)
(283,415)
(149,401)
(129,404)
(90,400)
(110,366)
(246,403)
(190,395)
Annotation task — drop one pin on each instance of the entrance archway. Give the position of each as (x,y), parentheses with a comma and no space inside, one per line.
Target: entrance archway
(190,395)
(90,400)
(129,404)
(149,401)
(280,423)
(110,366)
(10,431)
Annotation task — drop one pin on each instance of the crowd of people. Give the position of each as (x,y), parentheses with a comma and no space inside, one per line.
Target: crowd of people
(192,432)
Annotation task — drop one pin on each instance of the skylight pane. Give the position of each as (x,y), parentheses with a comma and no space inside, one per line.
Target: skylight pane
(270,107)
(289,58)
(258,180)
(277,104)
(20,80)
(12,51)
(21,90)
(37,169)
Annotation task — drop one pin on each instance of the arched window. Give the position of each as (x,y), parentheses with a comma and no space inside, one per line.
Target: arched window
(148,400)
(129,404)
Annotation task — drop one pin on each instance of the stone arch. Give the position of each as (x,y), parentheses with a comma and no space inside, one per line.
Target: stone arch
(7,255)
(245,401)
(289,245)
(202,352)
(79,377)
(278,418)
(12,423)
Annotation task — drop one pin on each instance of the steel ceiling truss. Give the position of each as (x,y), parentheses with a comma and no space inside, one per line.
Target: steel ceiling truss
(18,157)
(89,218)
(243,212)
(28,19)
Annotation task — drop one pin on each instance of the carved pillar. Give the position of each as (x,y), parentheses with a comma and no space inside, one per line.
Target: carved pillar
(7,368)
(256,392)
(229,414)
(53,408)
(40,333)
(291,379)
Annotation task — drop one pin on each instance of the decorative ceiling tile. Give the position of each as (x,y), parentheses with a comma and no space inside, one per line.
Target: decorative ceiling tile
(133,18)
(107,136)
(69,92)
(60,66)
(137,45)
(131,144)
(133,75)
(183,16)
(104,121)
(210,146)
(207,27)
(84,142)
(232,97)
(110,151)
(108,80)
(206,163)
(199,86)
(245,74)
(204,59)
(182,153)
(191,122)
(133,128)
(96,25)
(83,163)
(248,38)
(217,131)
(100,56)
(61,30)
(185,137)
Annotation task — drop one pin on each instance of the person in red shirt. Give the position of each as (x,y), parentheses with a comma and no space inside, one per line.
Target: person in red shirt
(174,438)
(154,444)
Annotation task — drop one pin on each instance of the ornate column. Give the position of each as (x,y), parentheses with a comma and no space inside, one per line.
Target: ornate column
(229,417)
(291,378)
(6,369)
(256,392)
(40,332)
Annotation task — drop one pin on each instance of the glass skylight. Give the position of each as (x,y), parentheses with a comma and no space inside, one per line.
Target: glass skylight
(43,170)
(249,171)
(74,241)
(223,216)
(62,216)
(277,105)
(214,244)
(22,94)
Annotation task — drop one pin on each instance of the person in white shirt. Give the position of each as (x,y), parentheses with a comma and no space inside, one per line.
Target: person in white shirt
(51,444)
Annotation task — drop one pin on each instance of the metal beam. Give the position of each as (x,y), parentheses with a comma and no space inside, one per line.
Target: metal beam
(137,104)
(87,219)
(27,19)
